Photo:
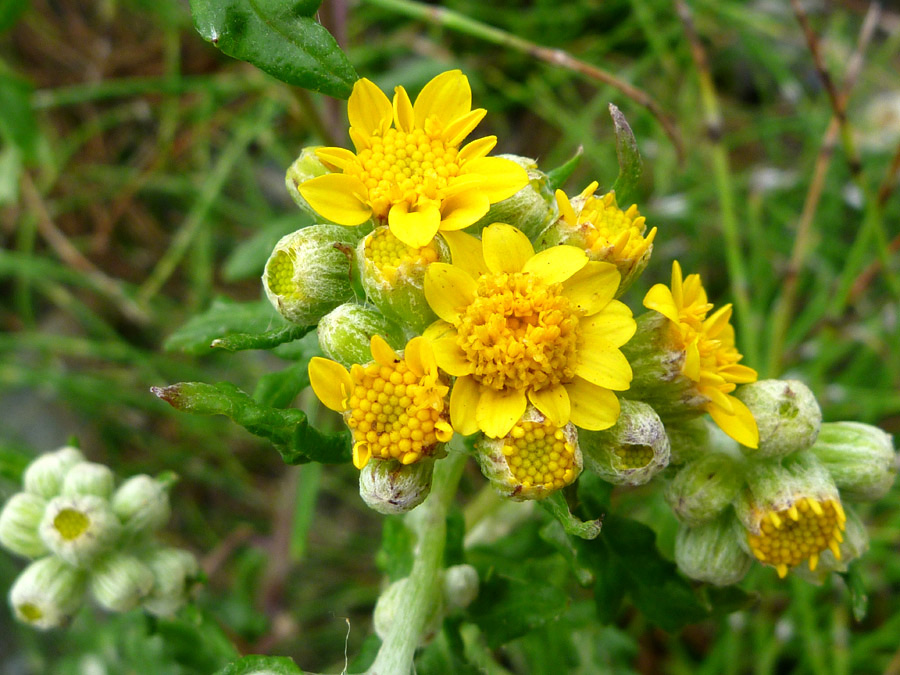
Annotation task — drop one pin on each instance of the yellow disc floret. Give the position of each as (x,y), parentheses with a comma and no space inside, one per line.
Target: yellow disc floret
(71,524)
(539,455)
(634,456)
(280,274)
(392,257)
(800,532)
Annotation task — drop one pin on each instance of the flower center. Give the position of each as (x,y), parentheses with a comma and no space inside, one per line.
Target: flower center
(802,531)
(280,276)
(30,612)
(71,524)
(634,456)
(392,257)
(538,454)
(405,167)
(606,222)
(396,414)
(520,333)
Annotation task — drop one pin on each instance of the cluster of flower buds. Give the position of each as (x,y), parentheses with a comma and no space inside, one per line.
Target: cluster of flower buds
(458,293)
(84,534)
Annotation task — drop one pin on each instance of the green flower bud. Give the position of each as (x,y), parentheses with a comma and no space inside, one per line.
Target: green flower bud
(532,209)
(119,582)
(142,504)
(691,439)
(859,457)
(19,522)
(174,574)
(389,603)
(702,488)
(389,487)
(534,460)
(393,276)
(47,593)
(632,451)
(460,586)
(78,528)
(786,413)
(711,551)
(346,331)
(44,476)
(89,478)
(306,276)
(304,168)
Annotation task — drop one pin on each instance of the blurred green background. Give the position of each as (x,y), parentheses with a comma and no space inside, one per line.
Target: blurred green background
(141,180)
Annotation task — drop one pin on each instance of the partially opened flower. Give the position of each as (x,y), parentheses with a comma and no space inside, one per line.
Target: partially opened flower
(394,406)
(710,356)
(409,170)
(519,326)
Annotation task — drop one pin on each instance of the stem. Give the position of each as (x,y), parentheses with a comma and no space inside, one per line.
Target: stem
(429,521)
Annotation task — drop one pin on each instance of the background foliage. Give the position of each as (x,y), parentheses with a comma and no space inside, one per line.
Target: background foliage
(141,185)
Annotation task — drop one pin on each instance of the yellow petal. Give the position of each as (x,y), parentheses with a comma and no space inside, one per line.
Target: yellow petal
(677,286)
(443,431)
(338,198)
(506,248)
(554,403)
(612,326)
(447,97)
(369,110)
(463,209)
(466,252)
(403,110)
(566,212)
(331,383)
(451,358)
(593,287)
(741,426)
(361,454)
(691,367)
(719,399)
(556,264)
(738,374)
(414,228)
(337,157)
(382,352)
(498,411)
(419,356)
(593,408)
(448,290)
(439,329)
(605,368)
(361,141)
(502,178)
(660,299)
(463,405)
(461,127)
(476,149)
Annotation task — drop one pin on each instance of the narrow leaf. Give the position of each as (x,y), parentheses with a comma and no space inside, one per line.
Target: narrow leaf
(630,164)
(223,318)
(261,665)
(859,598)
(280,389)
(556,506)
(241,341)
(556,177)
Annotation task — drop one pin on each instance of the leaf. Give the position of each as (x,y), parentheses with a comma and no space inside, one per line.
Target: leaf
(630,164)
(10,10)
(395,557)
(18,126)
(288,429)
(224,317)
(594,494)
(280,389)
(261,665)
(554,534)
(242,341)
(248,260)
(859,598)
(279,37)
(556,506)
(556,177)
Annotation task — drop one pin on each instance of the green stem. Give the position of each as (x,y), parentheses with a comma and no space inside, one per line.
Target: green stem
(429,521)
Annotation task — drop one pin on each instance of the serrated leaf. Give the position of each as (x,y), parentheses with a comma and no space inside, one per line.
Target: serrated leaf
(280,38)
(273,338)
(248,260)
(223,318)
(556,506)
(630,164)
(556,177)
(287,429)
(280,389)
(261,665)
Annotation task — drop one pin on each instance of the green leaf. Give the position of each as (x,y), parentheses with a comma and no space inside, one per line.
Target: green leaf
(556,177)
(395,557)
(237,342)
(554,534)
(223,318)
(859,598)
(261,665)
(18,126)
(594,494)
(630,163)
(280,389)
(279,37)
(248,260)
(288,430)
(556,506)
(10,11)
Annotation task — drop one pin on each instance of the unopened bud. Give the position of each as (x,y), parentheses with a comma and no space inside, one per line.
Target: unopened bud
(632,451)
(304,168)
(44,476)
(702,488)
(532,209)
(89,478)
(711,552)
(174,574)
(389,604)
(19,522)
(860,458)
(346,331)
(79,528)
(119,582)
(460,586)
(693,438)
(142,504)
(47,593)
(389,487)
(786,413)
(306,276)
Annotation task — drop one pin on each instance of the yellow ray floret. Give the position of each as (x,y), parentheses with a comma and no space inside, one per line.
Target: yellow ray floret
(711,358)
(518,326)
(409,170)
(394,406)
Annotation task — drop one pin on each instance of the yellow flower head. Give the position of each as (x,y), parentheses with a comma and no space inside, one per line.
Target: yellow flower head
(394,406)
(711,358)
(517,326)
(409,170)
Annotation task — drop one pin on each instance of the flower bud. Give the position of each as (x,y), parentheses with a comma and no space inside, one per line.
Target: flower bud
(859,457)
(391,600)
(711,552)
(346,331)
(786,413)
(389,487)
(460,586)
(89,478)
(119,582)
(532,209)
(19,522)
(304,168)
(306,276)
(78,528)
(393,276)
(690,439)
(142,504)
(47,593)
(702,488)
(534,460)
(632,451)
(174,573)
(44,476)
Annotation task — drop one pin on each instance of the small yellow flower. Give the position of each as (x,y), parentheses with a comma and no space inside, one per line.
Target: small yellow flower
(394,406)
(518,326)
(711,358)
(409,170)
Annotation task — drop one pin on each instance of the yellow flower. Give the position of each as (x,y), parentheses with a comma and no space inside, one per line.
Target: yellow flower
(409,170)
(394,406)
(518,326)
(711,358)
